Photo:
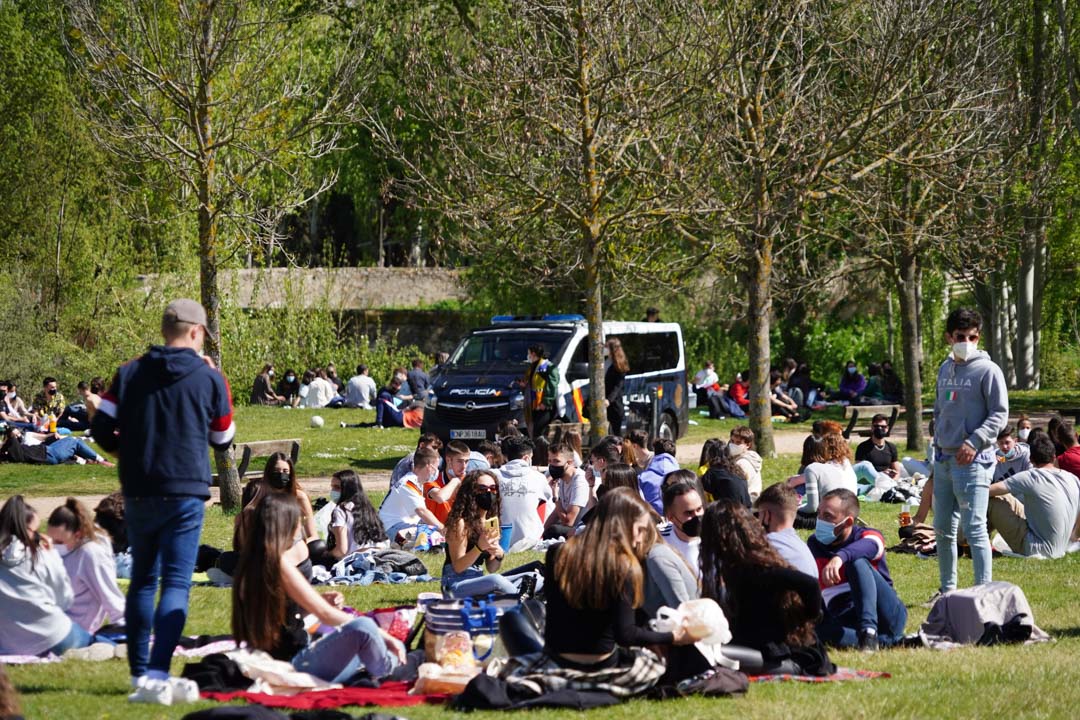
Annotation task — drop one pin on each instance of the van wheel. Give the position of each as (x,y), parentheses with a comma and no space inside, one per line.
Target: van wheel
(669,427)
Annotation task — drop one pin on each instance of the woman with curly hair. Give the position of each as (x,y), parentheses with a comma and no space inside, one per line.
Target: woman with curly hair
(772,607)
(831,470)
(472,540)
(354,523)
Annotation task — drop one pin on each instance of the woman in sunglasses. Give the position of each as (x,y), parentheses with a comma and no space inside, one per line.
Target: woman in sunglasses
(472,540)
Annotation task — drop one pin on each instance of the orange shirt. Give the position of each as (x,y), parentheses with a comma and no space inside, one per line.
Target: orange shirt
(439,510)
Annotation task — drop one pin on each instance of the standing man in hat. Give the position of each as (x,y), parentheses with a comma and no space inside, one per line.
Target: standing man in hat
(159,414)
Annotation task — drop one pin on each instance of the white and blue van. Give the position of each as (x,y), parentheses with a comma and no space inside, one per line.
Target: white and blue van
(479,387)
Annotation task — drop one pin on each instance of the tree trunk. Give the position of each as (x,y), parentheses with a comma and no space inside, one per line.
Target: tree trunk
(907,289)
(759,254)
(1024,357)
(590,228)
(890,345)
(208,248)
(594,313)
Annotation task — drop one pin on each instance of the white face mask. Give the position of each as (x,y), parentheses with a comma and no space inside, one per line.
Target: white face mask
(11,396)
(735,449)
(963,350)
(335,496)
(1023,433)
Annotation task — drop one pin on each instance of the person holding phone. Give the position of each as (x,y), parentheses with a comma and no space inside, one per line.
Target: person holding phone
(472,540)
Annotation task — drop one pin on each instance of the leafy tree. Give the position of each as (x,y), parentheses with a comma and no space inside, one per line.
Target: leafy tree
(565,146)
(232,99)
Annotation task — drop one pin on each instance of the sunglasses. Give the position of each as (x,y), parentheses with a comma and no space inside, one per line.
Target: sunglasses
(491,489)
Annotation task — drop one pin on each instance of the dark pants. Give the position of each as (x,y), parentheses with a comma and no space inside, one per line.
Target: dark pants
(540,420)
(872,603)
(615,417)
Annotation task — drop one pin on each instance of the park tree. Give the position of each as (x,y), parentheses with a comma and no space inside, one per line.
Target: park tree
(231,100)
(565,145)
(807,101)
(930,205)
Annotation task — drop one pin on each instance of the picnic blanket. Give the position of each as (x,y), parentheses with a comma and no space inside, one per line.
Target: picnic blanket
(387,695)
(842,674)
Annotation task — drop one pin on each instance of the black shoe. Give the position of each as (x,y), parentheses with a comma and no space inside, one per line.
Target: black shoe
(868,641)
(527,586)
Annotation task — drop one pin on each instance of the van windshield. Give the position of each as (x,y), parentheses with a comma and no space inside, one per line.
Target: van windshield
(506,348)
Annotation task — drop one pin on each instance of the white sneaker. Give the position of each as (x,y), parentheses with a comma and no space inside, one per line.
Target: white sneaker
(342,423)
(184,690)
(151,691)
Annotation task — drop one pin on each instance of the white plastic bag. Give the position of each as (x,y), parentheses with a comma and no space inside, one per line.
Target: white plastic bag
(705,622)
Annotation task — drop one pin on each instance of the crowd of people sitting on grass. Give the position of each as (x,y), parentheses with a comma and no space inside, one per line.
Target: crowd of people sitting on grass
(670,535)
(793,395)
(399,403)
(49,431)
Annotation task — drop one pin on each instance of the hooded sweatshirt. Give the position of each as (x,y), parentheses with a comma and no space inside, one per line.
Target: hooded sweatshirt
(34,593)
(750,463)
(91,569)
(972,405)
(652,476)
(522,489)
(161,411)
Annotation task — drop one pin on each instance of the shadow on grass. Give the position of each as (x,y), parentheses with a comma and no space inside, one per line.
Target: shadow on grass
(374,463)
(60,687)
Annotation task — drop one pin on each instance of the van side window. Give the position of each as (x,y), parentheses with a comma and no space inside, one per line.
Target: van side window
(651,352)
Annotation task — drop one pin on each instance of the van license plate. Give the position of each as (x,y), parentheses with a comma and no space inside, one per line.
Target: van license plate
(477,434)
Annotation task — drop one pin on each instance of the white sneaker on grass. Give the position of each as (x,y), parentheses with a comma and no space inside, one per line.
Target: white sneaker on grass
(95,652)
(152,691)
(184,690)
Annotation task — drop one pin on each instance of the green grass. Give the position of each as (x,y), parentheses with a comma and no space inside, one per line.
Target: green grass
(1040,681)
(323,451)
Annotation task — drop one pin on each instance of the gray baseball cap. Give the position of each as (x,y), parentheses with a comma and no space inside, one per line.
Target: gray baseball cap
(184,310)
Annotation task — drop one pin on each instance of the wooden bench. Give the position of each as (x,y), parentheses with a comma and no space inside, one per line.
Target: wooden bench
(242,453)
(854,412)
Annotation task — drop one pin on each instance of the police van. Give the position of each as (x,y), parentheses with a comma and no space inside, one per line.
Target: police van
(480,386)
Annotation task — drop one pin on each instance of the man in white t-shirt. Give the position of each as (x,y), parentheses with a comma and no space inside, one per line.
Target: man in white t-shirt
(683,509)
(573,492)
(361,390)
(403,507)
(522,490)
(320,391)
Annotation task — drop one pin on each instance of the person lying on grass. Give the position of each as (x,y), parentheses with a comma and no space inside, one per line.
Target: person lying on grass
(270,598)
(47,449)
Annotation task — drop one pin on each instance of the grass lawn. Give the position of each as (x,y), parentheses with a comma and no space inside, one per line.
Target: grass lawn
(1005,682)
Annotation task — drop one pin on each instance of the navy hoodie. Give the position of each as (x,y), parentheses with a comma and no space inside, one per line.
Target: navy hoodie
(161,412)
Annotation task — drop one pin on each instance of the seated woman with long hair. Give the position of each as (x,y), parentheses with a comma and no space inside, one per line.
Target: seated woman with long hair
(91,567)
(270,598)
(831,470)
(592,596)
(354,523)
(772,607)
(472,540)
(34,588)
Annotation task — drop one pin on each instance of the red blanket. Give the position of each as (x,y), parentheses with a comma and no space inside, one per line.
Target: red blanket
(389,694)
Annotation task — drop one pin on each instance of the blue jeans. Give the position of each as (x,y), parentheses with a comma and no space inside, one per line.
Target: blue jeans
(77,637)
(164,535)
(961,495)
(873,603)
(357,645)
(66,448)
(474,582)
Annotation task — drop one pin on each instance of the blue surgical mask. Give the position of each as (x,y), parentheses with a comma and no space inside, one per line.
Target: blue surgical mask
(851,370)
(335,495)
(825,532)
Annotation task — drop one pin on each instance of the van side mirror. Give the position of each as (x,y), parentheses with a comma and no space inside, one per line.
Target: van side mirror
(578,371)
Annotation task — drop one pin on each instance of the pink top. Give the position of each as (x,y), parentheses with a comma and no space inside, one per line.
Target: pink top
(92,570)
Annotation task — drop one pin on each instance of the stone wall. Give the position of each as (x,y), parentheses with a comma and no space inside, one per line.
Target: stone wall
(343,288)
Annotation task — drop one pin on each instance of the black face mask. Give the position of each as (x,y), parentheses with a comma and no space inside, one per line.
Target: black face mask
(278,480)
(53,391)
(692,527)
(880,432)
(485,501)
(557,471)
